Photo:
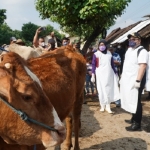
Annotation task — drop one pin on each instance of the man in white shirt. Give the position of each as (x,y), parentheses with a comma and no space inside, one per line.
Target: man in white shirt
(133,80)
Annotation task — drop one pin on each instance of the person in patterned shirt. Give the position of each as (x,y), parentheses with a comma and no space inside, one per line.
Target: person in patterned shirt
(117,62)
(116,57)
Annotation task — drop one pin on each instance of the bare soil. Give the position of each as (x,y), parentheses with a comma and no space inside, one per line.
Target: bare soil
(104,131)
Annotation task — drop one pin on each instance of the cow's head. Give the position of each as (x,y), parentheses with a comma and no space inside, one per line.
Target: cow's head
(22,89)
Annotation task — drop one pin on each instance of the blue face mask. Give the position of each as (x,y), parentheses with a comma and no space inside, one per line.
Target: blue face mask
(132,43)
(65,43)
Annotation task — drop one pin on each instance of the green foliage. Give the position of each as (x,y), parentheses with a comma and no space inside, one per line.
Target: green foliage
(28,31)
(5,34)
(2,16)
(81,16)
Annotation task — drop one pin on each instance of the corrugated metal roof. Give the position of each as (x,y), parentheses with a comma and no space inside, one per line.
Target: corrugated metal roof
(134,29)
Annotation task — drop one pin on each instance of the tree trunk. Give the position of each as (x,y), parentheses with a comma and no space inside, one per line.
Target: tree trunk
(91,38)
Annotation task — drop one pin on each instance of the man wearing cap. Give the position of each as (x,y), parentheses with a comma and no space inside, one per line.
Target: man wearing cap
(20,42)
(13,40)
(133,81)
(6,47)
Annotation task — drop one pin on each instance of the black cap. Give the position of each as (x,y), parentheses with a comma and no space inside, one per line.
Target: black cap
(103,41)
(135,34)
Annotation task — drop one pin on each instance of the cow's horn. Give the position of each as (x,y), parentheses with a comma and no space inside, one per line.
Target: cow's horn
(7,65)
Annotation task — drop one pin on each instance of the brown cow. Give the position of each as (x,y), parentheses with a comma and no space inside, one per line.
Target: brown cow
(62,74)
(5,146)
(23,90)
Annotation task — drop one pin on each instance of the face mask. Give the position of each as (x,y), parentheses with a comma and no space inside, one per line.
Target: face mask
(119,46)
(65,43)
(42,44)
(102,48)
(132,43)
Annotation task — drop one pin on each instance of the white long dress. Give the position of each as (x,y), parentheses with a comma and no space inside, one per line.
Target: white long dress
(147,86)
(129,94)
(106,79)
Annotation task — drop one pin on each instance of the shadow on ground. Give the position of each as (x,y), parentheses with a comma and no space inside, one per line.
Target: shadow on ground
(126,143)
(87,117)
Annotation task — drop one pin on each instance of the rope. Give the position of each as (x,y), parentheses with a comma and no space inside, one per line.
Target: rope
(25,118)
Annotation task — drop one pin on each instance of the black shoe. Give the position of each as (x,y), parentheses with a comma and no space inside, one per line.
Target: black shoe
(129,121)
(134,127)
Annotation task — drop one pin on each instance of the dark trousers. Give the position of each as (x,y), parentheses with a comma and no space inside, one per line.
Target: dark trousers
(137,117)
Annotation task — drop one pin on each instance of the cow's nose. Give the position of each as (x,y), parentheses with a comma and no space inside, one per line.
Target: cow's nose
(53,138)
(61,133)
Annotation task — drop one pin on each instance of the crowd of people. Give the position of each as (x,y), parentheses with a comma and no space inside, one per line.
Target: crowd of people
(113,73)
(47,43)
(120,76)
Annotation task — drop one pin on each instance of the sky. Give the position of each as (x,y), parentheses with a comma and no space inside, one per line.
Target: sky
(20,12)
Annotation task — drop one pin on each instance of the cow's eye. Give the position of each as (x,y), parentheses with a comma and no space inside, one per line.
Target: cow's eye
(26,97)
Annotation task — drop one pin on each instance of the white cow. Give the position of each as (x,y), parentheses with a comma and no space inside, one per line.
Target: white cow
(25,52)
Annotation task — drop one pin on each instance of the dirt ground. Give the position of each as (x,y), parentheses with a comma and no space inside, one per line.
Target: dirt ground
(103,131)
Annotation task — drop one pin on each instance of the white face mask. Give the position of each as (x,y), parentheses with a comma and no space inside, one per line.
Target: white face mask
(119,46)
(42,44)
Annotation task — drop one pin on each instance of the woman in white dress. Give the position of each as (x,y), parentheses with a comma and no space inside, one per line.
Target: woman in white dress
(106,77)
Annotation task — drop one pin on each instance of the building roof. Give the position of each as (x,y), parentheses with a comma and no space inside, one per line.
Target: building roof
(140,27)
(119,32)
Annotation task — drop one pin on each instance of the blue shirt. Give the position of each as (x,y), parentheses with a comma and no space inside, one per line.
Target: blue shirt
(116,57)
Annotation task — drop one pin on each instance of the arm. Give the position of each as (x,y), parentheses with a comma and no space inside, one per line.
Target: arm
(118,61)
(141,71)
(93,64)
(35,39)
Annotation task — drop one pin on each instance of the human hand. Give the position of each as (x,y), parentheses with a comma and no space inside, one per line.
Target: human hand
(137,84)
(38,30)
(93,78)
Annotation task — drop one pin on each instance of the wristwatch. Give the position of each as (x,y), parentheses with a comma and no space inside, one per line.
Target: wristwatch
(138,81)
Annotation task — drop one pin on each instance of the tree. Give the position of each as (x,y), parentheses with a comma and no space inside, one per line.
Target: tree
(28,31)
(85,18)
(2,16)
(5,34)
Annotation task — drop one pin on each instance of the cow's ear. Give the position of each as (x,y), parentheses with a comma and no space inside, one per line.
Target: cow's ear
(6,64)
(9,67)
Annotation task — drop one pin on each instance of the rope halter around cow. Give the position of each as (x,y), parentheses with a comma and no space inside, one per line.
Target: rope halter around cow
(27,119)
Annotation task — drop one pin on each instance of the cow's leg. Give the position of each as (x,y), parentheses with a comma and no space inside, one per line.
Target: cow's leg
(77,121)
(24,148)
(68,141)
